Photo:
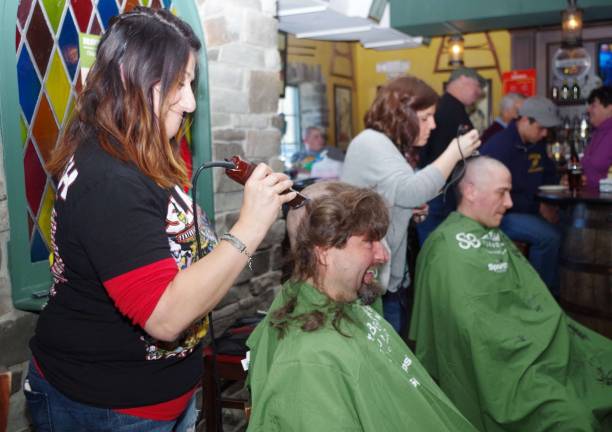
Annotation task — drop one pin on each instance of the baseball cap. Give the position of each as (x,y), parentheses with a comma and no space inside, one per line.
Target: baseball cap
(542,110)
(468,72)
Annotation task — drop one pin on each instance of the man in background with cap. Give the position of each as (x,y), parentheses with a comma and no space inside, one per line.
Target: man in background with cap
(521,149)
(463,89)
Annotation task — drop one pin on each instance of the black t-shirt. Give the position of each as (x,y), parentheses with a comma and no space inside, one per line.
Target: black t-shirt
(110,219)
(450,114)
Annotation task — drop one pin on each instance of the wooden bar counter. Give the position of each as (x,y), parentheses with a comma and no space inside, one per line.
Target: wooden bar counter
(586,256)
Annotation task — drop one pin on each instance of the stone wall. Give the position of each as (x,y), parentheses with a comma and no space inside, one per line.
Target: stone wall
(243,68)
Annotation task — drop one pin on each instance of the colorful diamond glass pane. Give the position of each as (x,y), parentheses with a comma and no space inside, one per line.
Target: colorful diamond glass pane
(40,39)
(58,87)
(82,11)
(23,128)
(17,38)
(36,178)
(69,45)
(39,251)
(155,4)
(54,9)
(167,3)
(44,129)
(29,85)
(96,28)
(44,218)
(23,11)
(146,2)
(107,10)
(129,5)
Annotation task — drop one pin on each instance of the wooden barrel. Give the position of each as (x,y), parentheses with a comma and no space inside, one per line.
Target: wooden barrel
(586,265)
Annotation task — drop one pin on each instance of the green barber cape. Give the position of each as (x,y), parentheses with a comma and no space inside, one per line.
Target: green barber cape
(488,330)
(322,381)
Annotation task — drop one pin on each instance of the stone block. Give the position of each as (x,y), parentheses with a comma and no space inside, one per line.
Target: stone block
(225,221)
(228,201)
(275,235)
(212,54)
(223,183)
(262,143)
(228,134)
(16,329)
(252,121)
(225,150)
(280,258)
(259,29)
(260,284)
(234,295)
(225,76)
(269,7)
(243,55)
(4,216)
(220,120)
(263,92)
(228,101)
(216,32)
(272,60)
(2,185)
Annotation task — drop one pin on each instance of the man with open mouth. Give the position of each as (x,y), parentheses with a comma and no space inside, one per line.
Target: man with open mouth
(323,359)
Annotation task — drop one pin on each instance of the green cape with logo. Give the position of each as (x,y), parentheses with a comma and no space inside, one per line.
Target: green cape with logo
(364,380)
(488,330)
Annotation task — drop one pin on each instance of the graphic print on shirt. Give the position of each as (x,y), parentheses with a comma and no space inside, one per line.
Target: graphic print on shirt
(181,237)
(55,260)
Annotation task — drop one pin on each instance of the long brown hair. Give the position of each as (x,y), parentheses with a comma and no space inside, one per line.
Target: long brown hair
(140,49)
(335,212)
(393,111)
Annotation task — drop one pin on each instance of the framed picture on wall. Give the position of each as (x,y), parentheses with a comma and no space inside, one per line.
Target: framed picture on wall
(343,114)
(480,112)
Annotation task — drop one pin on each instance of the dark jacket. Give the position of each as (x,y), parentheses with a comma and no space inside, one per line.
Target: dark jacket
(528,163)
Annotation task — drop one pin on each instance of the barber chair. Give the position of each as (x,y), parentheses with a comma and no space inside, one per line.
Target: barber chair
(231,349)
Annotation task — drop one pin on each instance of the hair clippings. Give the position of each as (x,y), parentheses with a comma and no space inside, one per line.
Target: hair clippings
(238,244)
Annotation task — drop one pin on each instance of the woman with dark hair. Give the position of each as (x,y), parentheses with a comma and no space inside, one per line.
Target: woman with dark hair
(118,346)
(384,157)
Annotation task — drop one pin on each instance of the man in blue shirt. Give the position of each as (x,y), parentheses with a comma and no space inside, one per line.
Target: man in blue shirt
(521,149)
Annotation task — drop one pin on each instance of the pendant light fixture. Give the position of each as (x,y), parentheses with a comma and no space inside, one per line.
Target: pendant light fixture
(455,50)
(571,26)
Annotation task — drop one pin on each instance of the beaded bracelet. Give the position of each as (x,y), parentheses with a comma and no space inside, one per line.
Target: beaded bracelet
(237,243)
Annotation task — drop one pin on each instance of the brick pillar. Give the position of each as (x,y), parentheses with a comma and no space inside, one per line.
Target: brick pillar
(243,65)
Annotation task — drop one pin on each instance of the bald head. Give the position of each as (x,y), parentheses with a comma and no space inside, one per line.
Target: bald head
(484,191)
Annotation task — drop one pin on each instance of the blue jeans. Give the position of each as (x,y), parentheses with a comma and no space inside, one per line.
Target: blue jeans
(544,241)
(394,310)
(50,411)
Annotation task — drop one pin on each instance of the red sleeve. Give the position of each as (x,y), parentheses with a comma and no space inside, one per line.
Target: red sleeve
(137,292)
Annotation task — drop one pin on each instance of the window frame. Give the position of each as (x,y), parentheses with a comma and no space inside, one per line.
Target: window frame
(30,282)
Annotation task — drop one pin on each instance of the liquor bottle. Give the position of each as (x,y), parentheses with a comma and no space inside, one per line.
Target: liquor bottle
(575,91)
(565,91)
(584,126)
(554,93)
(574,169)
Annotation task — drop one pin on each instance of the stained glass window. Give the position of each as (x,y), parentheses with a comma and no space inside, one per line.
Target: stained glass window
(46,42)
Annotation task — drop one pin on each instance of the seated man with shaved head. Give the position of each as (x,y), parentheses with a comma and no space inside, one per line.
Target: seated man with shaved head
(489,331)
(323,360)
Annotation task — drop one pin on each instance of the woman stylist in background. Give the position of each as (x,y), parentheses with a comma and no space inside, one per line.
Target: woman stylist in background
(383,157)
(118,346)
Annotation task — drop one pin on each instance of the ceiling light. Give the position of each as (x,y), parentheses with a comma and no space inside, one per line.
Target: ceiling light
(571,26)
